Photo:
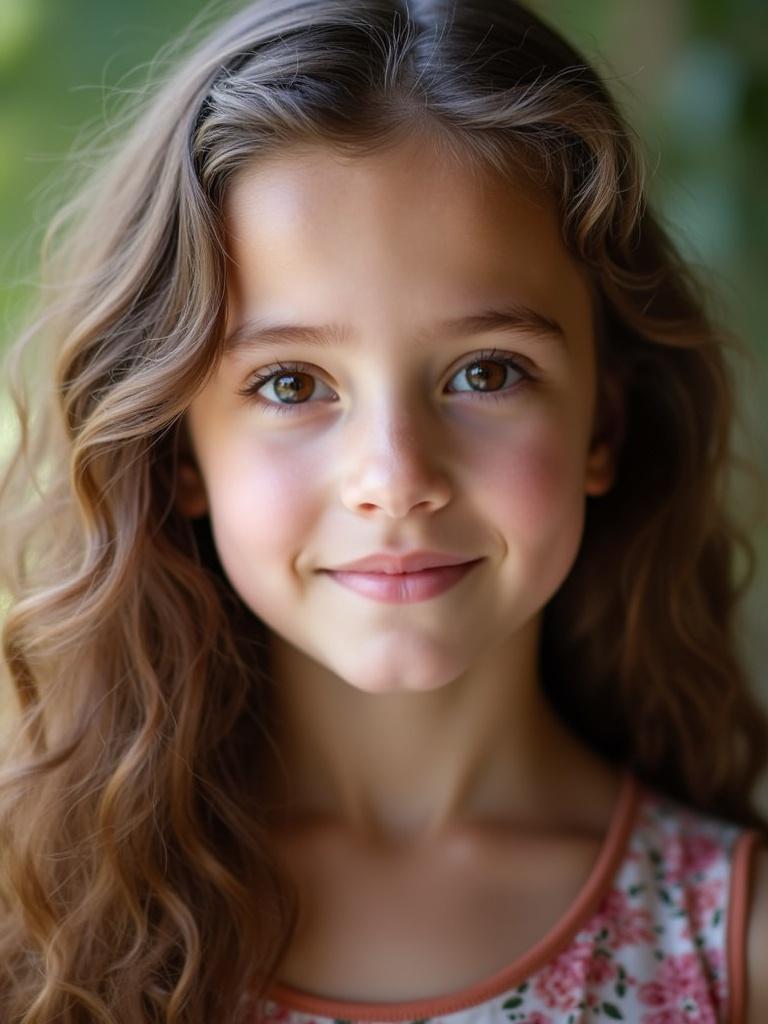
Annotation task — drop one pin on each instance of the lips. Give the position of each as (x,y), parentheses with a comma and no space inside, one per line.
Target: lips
(398,564)
(404,588)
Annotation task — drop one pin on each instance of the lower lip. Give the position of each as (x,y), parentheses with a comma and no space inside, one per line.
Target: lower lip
(404,588)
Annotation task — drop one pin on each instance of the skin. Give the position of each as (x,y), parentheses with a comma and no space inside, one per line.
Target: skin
(404,723)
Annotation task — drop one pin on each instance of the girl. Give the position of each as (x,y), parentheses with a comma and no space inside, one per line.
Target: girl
(370,581)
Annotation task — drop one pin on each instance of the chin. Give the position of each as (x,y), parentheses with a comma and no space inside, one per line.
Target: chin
(405,677)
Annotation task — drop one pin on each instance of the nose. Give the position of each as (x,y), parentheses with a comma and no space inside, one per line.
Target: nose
(394,464)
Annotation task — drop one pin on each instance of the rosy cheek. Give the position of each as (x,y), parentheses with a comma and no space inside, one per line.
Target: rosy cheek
(528,480)
(262,508)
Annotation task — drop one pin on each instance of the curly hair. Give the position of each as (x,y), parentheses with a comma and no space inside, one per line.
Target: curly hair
(136,882)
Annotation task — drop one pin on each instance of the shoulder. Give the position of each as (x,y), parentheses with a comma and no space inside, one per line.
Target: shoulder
(757,939)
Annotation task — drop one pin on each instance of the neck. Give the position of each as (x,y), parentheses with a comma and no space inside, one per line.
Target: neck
(410,766)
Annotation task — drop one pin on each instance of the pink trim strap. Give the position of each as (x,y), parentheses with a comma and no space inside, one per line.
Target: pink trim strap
(736,929)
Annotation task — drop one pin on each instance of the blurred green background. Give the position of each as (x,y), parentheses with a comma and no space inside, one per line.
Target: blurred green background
(692,75)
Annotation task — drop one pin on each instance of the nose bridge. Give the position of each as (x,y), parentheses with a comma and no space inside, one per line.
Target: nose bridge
(393,452)
(392,413)
(390,432)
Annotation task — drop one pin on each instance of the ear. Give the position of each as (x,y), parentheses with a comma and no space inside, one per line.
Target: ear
(191,496)
(607,439)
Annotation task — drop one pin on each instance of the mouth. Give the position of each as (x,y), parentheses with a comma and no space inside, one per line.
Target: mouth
(403,587)
(396,563)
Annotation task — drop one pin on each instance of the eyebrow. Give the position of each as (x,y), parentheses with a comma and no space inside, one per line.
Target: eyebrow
(511,316)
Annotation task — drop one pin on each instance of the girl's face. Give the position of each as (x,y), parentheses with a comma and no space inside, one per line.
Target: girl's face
(400,429)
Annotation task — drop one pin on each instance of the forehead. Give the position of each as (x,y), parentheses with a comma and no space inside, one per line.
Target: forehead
(401,233)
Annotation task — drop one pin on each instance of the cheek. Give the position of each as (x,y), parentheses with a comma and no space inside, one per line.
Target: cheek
(530,481)
(261,508)
(532,495)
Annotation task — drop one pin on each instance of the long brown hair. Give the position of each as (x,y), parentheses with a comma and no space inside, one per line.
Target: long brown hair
(135,881)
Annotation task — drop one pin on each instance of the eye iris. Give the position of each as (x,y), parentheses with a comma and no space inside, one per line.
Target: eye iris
(477,374)
(292,392)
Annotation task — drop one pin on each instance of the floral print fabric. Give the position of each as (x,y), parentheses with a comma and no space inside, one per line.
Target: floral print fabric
(654,951)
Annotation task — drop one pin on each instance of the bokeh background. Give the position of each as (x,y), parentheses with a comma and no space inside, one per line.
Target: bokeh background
(692,76)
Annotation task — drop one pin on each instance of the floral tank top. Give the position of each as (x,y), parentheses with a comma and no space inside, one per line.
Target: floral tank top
(655,936)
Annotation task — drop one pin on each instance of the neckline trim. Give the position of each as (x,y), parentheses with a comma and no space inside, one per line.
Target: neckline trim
(554,941)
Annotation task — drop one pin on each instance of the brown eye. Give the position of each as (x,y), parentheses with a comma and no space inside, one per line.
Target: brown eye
(486,374)
(489,373)
(293,387)
(289,386)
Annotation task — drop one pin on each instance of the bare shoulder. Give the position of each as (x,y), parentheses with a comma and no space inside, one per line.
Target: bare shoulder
(757,940)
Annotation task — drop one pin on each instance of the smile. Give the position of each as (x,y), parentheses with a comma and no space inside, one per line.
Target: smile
(406,587)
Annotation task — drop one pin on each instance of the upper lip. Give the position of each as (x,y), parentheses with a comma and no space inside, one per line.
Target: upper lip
(411,561)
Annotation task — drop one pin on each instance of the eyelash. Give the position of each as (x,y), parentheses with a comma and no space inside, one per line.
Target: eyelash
(258,380)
